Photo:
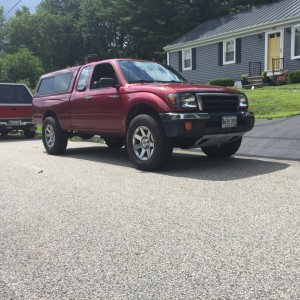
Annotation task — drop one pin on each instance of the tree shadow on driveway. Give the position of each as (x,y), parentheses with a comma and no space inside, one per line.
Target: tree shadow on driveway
(185,164)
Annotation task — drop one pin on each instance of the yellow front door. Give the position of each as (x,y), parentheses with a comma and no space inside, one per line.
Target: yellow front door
(273,49)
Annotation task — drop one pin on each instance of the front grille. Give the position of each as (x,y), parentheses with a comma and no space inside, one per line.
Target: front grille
(220,102)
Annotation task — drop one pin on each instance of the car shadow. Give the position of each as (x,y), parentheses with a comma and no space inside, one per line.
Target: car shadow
(10,138)
(186,164)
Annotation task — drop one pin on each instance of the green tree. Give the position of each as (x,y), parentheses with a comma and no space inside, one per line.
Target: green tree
(3,30)
(21,66)
(63,32)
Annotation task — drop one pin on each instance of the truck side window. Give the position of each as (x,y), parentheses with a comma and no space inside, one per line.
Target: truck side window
(62,82)
(82,81)
(46,85)
(55,84)
(102,71)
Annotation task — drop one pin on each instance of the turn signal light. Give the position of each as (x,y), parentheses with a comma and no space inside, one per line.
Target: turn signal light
(172,99)
(188,126)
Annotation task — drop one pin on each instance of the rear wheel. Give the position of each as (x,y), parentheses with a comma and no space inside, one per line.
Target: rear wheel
(114,142)
(29,134)
(4,133)
(54,138)
(147,144)
(223,150)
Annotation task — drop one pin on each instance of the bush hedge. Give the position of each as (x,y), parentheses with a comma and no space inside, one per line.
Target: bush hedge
(222,81)
(294,76)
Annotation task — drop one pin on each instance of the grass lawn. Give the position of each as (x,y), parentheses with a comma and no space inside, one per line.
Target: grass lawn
(275,101)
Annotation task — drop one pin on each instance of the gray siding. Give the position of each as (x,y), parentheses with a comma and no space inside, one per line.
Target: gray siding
(289,63)
(253,49)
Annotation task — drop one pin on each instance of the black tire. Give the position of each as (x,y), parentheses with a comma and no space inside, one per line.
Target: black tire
(4,133)
(29,134)
(223,150)
(150,150)
(54,138)
(114,142)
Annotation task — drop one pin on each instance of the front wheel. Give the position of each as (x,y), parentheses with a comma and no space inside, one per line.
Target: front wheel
(223,150)
(54,138)
(147,145)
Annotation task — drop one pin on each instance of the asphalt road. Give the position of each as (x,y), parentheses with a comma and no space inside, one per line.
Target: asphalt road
(88,225)
(277,138)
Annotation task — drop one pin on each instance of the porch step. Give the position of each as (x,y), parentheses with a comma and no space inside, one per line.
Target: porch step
(255,80)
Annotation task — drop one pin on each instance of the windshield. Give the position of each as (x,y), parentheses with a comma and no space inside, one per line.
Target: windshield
(148,72)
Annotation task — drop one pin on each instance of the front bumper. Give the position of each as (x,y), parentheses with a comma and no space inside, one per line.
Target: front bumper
(206,128)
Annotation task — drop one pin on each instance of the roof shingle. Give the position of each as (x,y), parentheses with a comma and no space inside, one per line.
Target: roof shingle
(261,15)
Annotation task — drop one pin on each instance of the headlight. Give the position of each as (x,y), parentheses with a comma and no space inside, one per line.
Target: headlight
(243,103)
(183,100)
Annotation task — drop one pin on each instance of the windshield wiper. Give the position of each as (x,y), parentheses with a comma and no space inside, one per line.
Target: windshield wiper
(141,81)
(171,81)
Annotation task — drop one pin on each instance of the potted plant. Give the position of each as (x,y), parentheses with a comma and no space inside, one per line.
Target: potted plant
(244,78)
(264,77)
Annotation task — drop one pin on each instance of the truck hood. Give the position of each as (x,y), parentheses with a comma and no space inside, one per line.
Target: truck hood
(172,88)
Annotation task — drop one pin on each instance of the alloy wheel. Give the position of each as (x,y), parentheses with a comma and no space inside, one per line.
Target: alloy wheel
(143,143)
(49,136)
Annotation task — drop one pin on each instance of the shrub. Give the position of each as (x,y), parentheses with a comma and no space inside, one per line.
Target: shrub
(294,76)
(280,79)
(244,79)
(222,81)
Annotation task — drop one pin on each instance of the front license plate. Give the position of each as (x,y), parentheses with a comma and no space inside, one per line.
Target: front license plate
(229,121)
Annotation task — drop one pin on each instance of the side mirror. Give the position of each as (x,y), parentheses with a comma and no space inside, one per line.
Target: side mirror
(107,82)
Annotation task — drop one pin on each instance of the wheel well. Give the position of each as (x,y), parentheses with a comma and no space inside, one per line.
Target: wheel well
(138,110)
(49,114)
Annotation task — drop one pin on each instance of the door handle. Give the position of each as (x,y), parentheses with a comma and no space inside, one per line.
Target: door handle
(13,108)
(89,98)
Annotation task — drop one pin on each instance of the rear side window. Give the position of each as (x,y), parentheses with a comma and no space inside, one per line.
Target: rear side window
(14,94)
(22,95)
(46,85)
(7,94)
(56,84)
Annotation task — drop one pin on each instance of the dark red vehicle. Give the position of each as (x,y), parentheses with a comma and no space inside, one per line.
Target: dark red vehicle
(144,105)
(16,109)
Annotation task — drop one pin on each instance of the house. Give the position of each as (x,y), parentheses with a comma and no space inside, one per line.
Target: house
(262,38)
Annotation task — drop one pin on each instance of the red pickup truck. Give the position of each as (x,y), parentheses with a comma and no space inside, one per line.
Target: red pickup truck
(144,105)
(16,109)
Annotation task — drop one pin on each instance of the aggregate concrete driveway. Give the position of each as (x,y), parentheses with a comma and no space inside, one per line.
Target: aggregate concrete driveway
(87,225)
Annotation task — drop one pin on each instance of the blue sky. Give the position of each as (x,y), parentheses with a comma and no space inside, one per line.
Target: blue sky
(8,4)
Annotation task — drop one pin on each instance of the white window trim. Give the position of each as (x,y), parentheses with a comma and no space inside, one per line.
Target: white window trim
(293,33)
(189,68)
(267,33)
(224,52)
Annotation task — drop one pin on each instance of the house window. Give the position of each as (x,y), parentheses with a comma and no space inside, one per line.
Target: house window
(187,59)
(296,42)
(229,52)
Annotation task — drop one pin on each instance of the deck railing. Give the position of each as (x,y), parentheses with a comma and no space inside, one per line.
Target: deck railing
(277,64)
(254,68)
